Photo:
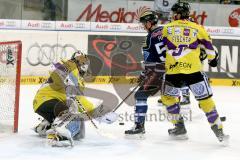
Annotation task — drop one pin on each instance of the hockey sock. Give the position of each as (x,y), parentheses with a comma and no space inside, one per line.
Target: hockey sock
(140,110)
(174,111)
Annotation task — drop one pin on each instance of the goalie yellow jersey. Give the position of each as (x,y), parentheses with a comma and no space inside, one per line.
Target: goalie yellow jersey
(183,40)
(54,87)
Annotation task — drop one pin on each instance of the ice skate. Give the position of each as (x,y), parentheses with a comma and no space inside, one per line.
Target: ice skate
(137,131)
(179,132)
(224,139)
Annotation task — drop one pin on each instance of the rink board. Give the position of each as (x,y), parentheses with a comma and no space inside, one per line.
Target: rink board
(36,80)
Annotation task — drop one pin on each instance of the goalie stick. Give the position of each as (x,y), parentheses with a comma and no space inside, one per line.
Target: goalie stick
(99,131)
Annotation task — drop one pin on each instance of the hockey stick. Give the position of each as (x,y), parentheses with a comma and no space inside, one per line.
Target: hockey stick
(227,72)
(129,94)
(223,119)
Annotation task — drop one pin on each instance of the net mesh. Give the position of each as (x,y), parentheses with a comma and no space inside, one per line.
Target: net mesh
(8,72)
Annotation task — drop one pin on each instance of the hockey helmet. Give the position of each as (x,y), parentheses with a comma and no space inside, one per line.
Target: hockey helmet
(182,8)
(82,61)
(149,16)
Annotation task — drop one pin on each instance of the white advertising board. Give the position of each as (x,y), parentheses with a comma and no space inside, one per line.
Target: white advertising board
(129,11)
(42,48)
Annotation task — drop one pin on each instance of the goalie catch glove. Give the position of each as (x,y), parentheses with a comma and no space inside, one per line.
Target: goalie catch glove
(108,118)
(214,61)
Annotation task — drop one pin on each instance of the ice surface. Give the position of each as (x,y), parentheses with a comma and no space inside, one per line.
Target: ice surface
(202,144)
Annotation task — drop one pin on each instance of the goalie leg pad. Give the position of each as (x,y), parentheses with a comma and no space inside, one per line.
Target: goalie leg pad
(68,127)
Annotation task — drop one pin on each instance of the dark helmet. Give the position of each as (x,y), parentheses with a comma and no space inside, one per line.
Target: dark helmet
(182,8)
(149,16)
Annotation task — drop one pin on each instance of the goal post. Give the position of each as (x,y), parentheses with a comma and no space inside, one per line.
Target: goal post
(10,77)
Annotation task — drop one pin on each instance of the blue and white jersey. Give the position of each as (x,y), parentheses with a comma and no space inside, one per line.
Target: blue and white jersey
(154,51)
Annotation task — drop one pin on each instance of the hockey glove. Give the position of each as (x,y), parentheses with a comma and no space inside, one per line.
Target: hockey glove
(141,77)
(203,54)
(214,62)
(108,118)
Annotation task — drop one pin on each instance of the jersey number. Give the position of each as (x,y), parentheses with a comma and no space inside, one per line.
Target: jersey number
(157,46)
(179,50)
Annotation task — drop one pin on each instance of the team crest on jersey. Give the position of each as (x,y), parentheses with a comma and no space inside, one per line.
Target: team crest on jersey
(194,33)
(186,32)
(177,31)
(169,30)
(198,89)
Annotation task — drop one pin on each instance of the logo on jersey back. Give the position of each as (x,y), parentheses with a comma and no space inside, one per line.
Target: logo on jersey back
(169,30)
(177,31)
(186,32)
(234,18)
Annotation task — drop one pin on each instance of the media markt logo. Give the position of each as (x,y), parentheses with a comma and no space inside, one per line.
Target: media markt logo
(234,18)
(119,15)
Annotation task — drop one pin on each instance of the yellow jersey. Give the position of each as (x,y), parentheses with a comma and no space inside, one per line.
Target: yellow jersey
(183,40)
(55,87)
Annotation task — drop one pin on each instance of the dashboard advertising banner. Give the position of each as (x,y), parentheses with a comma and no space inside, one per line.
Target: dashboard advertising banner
(126,11)
(121,55)
(115,55)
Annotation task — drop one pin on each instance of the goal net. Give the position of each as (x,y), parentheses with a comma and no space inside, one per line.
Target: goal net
(10,69)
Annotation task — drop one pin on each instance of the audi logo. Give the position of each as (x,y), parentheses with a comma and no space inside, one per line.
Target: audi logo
(115,27)
(47,54)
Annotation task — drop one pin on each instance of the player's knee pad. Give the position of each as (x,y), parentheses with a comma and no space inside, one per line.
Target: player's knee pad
(207,105)
(201,90)
(169,100)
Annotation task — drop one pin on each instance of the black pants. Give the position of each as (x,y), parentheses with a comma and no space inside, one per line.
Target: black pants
(50,109)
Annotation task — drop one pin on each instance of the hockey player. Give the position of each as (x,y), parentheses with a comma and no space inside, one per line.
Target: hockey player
(183,39)
(154,56)
(61,102)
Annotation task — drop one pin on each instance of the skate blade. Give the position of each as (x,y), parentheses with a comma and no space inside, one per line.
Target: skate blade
(179,137)
(135,136)
(225,141)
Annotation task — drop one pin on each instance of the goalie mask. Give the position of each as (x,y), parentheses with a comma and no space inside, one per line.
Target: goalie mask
(82,61)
